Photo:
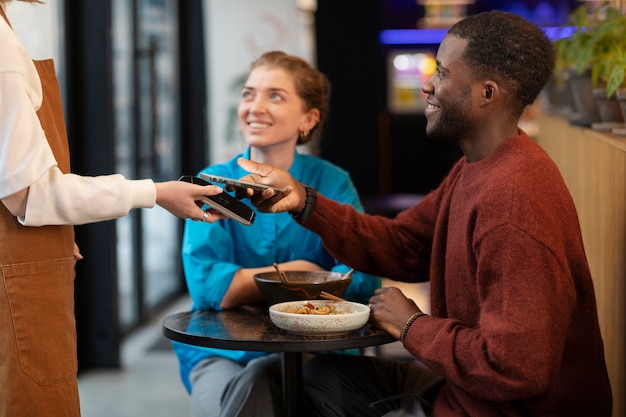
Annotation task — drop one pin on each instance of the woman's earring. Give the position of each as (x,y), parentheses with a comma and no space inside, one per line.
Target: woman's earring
(303,135)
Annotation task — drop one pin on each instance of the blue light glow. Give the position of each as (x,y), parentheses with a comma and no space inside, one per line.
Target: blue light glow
(411,36)
(435,36)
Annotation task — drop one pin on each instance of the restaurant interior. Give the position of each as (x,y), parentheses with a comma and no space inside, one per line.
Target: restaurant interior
(138,79)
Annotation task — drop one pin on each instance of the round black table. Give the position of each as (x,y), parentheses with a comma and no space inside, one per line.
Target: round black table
(250,328)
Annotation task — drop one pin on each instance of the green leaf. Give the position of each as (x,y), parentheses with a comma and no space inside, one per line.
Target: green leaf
(616,79)
(583,61)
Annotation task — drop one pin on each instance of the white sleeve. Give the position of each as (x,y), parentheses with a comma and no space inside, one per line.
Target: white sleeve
(58,198)
(27,161)
(25,154)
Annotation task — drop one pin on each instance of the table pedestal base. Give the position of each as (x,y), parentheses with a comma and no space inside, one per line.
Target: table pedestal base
(292,382)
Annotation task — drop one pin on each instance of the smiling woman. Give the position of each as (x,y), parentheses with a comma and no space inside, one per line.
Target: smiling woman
(283,105)
(285,87)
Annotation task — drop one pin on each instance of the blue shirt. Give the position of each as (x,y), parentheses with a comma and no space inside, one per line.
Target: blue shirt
(213,252)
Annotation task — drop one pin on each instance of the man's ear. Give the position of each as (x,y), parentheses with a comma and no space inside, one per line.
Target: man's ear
(491,90)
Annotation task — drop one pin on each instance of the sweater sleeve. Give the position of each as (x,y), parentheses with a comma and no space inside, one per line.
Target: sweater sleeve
(337,186)
(394,248)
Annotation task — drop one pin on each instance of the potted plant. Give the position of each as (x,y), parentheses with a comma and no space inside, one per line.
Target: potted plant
(610,51)
(572,69)
(596,52)
(610,62)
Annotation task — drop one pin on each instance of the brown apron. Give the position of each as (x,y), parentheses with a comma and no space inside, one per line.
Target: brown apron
(38,362)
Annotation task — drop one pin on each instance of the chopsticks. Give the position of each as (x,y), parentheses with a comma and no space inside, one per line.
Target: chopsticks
(333,297)
(330,296)
(280,273)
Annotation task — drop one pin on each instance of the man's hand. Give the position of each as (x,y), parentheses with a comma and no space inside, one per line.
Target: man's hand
(391,309)
(292,196)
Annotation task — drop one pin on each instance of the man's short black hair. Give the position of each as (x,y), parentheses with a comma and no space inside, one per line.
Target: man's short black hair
(512,50)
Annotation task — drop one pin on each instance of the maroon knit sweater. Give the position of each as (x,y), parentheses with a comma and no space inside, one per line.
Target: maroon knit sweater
(514,328)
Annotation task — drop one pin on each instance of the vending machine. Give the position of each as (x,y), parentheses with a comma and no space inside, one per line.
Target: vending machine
(407,70)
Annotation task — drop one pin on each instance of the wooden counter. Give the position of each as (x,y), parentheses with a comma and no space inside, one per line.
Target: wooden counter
(593,165)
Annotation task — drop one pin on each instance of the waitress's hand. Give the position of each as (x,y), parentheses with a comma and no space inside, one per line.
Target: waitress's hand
(182,199)
(292,196)
(390,310)
(77,255)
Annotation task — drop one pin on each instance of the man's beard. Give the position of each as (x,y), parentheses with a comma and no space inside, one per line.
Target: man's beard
(453,122)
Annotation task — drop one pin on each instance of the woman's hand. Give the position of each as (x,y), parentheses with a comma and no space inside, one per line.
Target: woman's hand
(182,200)
(77,255)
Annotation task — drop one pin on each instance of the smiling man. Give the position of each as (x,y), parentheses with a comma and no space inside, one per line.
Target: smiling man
(513,329)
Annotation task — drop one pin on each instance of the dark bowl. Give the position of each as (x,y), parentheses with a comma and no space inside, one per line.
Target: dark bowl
(301,285)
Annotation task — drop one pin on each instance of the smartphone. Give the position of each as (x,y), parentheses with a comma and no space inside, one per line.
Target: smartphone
(224,203)
(237,183)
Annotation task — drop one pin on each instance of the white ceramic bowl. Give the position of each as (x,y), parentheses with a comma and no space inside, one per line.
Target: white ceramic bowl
(349,316)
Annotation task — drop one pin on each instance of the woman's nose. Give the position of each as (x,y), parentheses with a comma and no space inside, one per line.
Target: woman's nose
(257,106)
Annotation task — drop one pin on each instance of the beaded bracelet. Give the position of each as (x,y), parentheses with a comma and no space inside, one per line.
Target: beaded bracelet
(408,324)
(309,205)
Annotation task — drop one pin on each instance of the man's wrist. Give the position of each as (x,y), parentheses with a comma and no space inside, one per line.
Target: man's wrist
(309,205)
(408,324)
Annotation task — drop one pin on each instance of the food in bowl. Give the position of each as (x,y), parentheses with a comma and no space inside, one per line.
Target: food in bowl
(300,285)
(346,316)
(308,308)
